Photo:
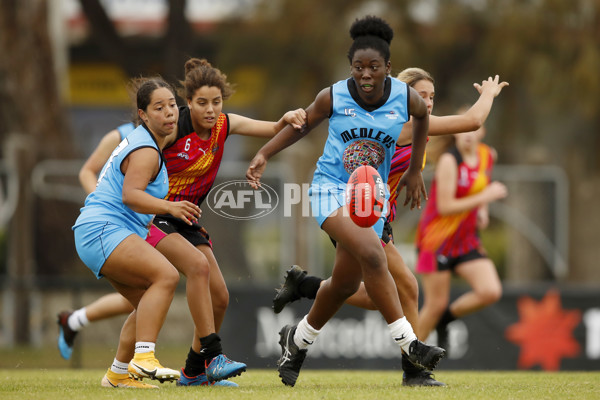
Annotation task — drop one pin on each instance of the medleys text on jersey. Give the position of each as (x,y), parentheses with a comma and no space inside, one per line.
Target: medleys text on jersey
(369,133)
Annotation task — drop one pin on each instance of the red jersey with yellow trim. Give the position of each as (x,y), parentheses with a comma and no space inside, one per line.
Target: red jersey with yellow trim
(192,162)
(453,235)
(399,165)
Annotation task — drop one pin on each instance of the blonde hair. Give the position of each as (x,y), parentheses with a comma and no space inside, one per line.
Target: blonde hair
(413,75)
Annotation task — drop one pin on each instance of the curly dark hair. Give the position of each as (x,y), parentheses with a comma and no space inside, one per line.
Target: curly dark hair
(371,32)
(198,73)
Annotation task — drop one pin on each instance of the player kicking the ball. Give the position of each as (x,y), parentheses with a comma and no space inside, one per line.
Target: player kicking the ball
(366,114)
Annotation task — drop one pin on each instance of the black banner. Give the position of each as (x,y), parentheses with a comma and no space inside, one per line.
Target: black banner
(535,328)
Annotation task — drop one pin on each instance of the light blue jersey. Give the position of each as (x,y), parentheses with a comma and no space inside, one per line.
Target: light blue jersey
(125,129)
(104,220)
(359,134)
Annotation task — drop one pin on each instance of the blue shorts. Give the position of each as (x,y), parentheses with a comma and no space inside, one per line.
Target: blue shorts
(328,198)
(95,241)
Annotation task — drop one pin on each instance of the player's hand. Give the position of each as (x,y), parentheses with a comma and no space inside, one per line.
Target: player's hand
(185,210)
(296,118)
(492,85)
(255,170)
(496,191)
(415,188)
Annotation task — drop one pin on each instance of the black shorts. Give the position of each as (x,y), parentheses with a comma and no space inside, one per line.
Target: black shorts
(386,236)
(164,225)
(449,264)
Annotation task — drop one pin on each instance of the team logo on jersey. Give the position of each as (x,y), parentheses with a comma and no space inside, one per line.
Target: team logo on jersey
(363,152)
(238,200)
(391,115)
(183,155)
(463,176)
(351,112)
(215,149)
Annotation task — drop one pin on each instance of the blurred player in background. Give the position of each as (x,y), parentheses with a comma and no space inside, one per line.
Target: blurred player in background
(447,236)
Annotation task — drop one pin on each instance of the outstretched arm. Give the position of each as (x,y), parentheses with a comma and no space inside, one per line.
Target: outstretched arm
(251,127)
(470,121)
(315,114)
(475,116)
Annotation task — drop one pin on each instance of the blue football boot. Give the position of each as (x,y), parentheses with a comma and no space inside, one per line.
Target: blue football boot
(222,367)
(201,380)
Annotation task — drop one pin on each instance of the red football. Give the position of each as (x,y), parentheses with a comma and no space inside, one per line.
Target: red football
(365,194)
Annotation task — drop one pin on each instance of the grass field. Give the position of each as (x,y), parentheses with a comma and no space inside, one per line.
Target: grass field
(79,384)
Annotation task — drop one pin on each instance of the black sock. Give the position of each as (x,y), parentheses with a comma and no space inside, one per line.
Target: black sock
(211,346)
(408,367)
(194,364)
(446,318)
(309,286)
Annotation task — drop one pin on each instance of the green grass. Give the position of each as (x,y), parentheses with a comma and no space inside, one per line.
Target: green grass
(76,384)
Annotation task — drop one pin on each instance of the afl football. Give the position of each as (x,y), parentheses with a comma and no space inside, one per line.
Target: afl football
(365,194)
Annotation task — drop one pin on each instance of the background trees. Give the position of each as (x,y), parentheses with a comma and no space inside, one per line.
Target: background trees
(281,53)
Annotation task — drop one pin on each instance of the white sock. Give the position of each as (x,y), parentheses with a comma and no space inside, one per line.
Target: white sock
(144,347)
(402,333)
(305,334)
(119,367)
(78,319)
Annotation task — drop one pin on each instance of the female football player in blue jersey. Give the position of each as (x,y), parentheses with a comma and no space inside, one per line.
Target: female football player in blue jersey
(202,131)
(298,284)
(110,231)
(366,113)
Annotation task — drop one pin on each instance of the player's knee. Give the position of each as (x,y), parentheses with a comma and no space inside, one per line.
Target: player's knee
(169,277)
(491,295)
(373,259)
(197,268)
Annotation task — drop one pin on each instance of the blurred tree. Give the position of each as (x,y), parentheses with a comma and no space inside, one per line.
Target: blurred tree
(133,57)
(33,127)
(547,50)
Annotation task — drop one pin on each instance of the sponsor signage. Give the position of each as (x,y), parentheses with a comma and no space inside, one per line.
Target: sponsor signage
(529,329)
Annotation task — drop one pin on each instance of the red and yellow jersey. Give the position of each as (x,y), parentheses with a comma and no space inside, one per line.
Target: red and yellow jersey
(456,234)
(192,162)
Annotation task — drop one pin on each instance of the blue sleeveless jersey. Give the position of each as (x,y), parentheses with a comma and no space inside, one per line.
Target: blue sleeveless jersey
(105,204)
(125,129)
(358,137)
